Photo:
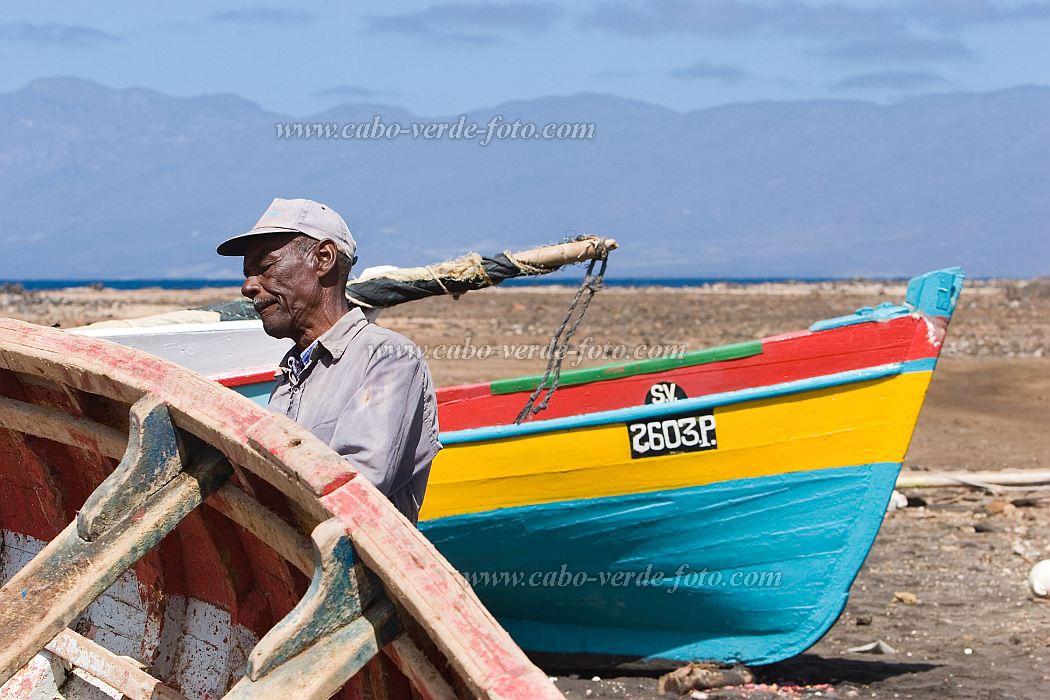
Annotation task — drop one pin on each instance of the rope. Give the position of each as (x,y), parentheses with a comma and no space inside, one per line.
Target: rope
(475,271)
(437,279)
(591,284)
(525,268)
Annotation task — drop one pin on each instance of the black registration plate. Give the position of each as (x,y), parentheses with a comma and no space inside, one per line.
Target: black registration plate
(692,432)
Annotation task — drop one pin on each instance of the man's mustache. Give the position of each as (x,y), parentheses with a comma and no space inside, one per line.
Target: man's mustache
(261,304)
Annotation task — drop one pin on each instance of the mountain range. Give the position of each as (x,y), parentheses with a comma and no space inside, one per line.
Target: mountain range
(101,183)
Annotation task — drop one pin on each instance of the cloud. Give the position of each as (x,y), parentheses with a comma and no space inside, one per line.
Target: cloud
(469,22)
(958,13)
(898,49)
(355,91)
(702,70)
(795,17)
(56,34)
(735,17)
(716,17)
(889,80)
(835,20)
(263,15)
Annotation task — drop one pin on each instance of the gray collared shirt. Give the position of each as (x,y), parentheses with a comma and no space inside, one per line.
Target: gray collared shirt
(366,392)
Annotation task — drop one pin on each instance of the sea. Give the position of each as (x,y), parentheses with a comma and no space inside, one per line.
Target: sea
(36,285)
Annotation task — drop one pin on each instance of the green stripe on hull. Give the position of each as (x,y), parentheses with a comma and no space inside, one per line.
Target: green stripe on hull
(629,369)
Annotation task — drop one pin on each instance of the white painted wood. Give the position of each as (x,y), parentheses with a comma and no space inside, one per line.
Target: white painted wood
(197,646)
(115,675)
(81,685)
(212,349)
(985,480)
(40,679)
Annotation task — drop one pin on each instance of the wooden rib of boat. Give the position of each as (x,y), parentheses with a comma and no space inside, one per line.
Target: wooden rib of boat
(164,537)
(714,506)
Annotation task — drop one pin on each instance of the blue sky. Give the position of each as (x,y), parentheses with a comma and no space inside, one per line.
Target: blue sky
(440,59)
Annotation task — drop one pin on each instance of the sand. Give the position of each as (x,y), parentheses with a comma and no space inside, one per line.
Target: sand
(965,555)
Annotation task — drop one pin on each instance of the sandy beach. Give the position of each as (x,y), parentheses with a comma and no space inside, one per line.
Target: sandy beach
(973,630)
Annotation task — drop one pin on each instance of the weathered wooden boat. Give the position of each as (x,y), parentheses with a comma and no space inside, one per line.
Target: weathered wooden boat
(715,506)
(164,537)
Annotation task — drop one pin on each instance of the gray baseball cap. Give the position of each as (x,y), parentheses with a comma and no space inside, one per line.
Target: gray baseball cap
(303,216)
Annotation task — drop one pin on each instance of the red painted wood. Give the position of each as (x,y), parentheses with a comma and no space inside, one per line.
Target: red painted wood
(208,557)
(242,378)
(22,478)
(31,500)
(784,358)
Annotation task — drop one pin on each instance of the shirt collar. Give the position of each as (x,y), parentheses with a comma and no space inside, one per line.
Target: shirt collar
(334,341)
(295,364)
(304,356)
(336,338)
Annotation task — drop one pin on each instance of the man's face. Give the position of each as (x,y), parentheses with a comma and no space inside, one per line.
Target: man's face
(281,282)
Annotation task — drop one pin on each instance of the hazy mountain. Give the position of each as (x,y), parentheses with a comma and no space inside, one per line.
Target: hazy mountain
(98,183)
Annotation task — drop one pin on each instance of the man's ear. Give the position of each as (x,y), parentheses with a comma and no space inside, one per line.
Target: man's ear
(326,257)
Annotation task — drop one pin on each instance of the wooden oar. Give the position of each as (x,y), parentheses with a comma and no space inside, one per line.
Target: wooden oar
(1005,480)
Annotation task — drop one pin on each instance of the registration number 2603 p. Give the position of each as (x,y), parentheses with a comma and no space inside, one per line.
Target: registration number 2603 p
(671,434)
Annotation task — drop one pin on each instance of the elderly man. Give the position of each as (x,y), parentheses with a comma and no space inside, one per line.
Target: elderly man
(362,389)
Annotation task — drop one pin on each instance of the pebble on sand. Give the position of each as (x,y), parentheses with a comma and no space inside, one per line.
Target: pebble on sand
(1039,578)
(876,647)
(906,597)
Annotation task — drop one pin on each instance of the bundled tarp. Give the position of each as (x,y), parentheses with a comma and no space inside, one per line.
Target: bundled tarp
(385,287)
(390,287)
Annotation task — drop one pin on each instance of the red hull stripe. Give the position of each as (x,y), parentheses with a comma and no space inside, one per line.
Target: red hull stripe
(784,358)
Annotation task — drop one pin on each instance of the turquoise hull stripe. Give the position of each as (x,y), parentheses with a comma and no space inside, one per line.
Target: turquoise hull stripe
(814,529)
(621,415)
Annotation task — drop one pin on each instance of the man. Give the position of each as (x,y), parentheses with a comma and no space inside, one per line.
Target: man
(362,389)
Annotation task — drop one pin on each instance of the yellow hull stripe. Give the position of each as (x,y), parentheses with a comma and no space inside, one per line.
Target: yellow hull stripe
(859,423)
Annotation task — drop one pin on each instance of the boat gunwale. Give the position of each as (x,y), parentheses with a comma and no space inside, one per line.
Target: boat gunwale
(248,324)
(696,403)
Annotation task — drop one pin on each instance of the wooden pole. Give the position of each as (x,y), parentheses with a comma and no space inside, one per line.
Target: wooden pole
(912,480)
(560,254)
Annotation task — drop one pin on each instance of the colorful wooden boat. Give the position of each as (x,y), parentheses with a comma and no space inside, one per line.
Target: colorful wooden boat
(714,506)
(157,539)
(770,473)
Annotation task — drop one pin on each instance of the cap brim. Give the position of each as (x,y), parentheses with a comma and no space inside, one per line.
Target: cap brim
(234,247)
